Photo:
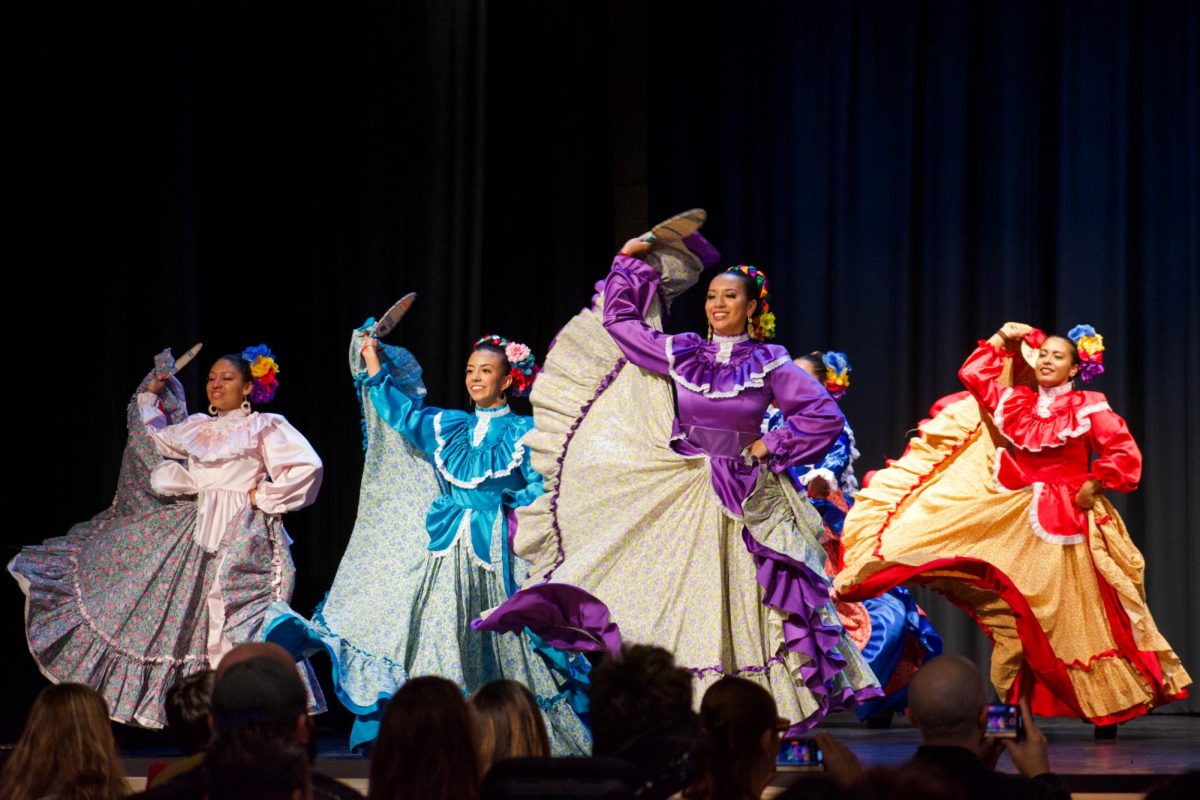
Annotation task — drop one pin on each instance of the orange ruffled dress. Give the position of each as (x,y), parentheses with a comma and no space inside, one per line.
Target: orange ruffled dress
(982,508)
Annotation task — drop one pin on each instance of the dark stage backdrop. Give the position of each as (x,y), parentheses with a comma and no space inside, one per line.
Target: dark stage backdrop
(910,175)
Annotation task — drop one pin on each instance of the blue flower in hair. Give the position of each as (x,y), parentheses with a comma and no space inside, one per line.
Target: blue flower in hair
(837,373)
(252,353)
(1080,331)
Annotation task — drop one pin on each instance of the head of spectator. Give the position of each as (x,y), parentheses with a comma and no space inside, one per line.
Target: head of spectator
(639,690)
(260,698)
(947,700)
(249,650)
(188,704)
(741,740)
(66,751)
(509,723)
(258,769)
(426,748)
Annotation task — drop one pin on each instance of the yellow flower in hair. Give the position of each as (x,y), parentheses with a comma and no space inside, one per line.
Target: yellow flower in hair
(1091,345)
(262,365)
(766,325)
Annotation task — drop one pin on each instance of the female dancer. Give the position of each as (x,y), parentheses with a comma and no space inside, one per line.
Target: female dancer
(463,563)
(165,581)
(679,531)
(892,632)
(998,504)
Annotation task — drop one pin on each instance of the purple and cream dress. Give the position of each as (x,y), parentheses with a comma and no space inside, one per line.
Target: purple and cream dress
(182,566)
(659,528)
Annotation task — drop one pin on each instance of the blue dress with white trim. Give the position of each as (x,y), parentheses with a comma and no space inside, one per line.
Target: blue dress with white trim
(461,566)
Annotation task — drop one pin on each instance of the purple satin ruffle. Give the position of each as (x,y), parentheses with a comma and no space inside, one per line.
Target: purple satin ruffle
(564,616)
(794,589)
(695,364)
(732,479)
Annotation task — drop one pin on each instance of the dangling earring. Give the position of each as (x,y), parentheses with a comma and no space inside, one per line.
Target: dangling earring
(749,328)
(246,406)
(709,337)
(212,409)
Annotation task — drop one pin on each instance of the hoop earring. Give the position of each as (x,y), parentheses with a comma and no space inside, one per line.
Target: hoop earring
(212,409)
(246,406)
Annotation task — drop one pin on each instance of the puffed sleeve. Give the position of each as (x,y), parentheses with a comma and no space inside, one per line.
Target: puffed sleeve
(515,498)
(628,292)
(414,421)
(1119,464)
(833,465)
(158,427)
(980,373)
(812,419)
(293,470)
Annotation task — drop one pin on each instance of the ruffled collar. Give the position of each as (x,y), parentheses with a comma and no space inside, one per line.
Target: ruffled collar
(725,345)
(1048,396)
(466,457)
(721,368)
(483,422)
(224,437)
(1048,418)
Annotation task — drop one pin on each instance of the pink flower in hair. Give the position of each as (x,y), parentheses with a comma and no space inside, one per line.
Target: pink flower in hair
(516,352)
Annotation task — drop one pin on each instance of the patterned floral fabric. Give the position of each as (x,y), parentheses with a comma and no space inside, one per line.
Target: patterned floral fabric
(428,553)
(122,602)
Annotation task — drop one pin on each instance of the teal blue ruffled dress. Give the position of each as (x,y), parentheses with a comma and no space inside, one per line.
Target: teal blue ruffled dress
(462,566)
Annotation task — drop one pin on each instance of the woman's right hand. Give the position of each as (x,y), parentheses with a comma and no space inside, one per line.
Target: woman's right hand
(370,354)
(155,386)
(637,245)
(1014,331)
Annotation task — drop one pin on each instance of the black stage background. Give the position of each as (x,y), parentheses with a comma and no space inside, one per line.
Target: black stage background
(910,175)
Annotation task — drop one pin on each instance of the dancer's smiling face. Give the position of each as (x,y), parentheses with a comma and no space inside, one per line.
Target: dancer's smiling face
(1056,362)
(727,305)
(487,377)
(228,385)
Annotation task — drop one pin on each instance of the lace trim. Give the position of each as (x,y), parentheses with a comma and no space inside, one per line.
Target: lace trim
(515,461)
(483,422)
(1084,424)
(464,526)
(1041,532)
(754,381)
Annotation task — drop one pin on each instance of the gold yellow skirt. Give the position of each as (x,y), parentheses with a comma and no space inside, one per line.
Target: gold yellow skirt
(1069,622)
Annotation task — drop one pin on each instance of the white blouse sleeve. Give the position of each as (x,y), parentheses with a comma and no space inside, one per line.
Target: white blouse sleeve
(160,430)
(293,470)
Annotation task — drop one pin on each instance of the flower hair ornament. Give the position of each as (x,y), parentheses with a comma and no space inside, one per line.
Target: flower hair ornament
(263,373)
(837,373)
(1090,347)
(762,326)
(524,368)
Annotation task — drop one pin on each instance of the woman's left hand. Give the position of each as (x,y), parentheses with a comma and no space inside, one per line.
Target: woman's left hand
(1085,498)
(759,449)
(254,497)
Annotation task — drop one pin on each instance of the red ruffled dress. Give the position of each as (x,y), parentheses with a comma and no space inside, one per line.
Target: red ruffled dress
(982,508)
